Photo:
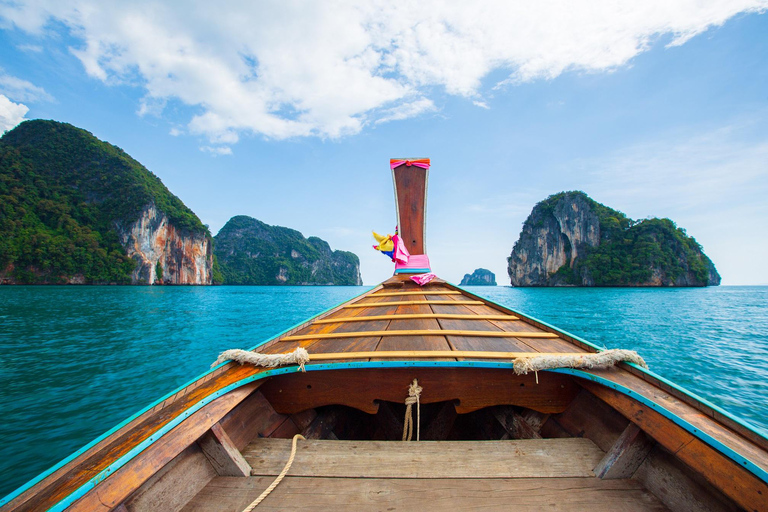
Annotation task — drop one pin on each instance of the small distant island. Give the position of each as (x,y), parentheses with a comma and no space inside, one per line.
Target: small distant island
(480,277)
(569,239)
(249,251)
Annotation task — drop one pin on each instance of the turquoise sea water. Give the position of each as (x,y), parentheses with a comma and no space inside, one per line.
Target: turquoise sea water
(75,361)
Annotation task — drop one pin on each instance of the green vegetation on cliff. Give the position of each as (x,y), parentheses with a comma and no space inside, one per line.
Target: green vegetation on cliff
(249,251)
(600,246)
(63,195)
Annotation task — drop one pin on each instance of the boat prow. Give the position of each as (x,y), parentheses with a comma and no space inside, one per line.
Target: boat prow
(441,366)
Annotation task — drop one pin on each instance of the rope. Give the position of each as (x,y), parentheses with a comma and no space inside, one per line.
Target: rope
(414,393)
(279,478)
(298,356)
(600,360)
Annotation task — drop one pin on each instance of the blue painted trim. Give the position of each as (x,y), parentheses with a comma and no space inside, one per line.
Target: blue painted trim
(412,271)
(125,422)
(714,443)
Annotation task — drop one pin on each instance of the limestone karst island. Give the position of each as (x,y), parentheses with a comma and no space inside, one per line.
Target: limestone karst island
(78,210)
(569,239)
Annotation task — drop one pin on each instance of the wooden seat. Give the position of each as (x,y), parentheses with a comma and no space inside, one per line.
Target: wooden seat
(527,475)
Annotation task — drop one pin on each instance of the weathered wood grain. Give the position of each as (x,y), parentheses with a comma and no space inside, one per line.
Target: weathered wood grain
(730,478)
(472,388)
(539,458)
(223,455)
(519,494)
(626,455)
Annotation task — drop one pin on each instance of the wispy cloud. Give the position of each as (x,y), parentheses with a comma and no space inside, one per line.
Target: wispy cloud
(217,150)
(289,69)
(21,90)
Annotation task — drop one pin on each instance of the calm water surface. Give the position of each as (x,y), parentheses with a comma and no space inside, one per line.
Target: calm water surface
(75,361)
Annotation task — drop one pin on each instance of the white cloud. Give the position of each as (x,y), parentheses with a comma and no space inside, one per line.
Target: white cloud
(217,150)
(11,113)
(290,68)
(21,90)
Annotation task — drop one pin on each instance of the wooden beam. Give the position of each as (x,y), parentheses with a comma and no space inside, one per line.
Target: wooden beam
(431,354)
(322,426)
(475,387)
(416,302)
(223,455)
(626,454)
(420,292)
(422,332)
(514,424)
(415,316)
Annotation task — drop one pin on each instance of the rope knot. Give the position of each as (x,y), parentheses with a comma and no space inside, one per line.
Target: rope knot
(414,394)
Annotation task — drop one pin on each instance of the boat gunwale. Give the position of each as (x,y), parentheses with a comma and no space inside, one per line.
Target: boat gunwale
(730,453)
(699,403)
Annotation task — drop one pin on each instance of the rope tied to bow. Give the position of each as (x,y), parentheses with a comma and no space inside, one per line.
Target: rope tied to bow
(299,356)
(414,394)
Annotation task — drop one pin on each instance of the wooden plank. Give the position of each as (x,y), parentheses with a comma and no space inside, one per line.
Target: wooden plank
(119,485)
(254,417)
(529,458)
(407,303)
(223,455)
(519,494)
(420,332)
(475,387)
(589,417)
(679,487)
(335,320)
(626,455)
(417,342)
(173,486)
(514,424)
(430,354)
(419,292)
(731,479)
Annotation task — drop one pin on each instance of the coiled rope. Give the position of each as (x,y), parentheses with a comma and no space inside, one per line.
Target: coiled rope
(414,393)
(255,503)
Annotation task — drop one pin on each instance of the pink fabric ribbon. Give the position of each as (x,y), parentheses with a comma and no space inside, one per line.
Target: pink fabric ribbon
(400,253)
(422,279)
(423,163)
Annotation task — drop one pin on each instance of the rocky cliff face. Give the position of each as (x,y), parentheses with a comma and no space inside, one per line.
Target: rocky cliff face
(157,246)
(78,210)
(480,277)
(553,235)
(570,239)
(252,252)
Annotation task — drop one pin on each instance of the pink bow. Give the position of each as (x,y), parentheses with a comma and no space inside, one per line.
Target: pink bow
(422,162)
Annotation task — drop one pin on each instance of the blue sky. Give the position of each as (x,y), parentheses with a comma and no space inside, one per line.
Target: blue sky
(289,112)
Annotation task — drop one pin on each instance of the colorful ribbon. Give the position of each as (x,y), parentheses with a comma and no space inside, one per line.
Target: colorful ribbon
(421,162)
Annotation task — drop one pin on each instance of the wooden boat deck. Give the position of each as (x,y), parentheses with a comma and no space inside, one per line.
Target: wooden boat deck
(398,315)
(533,474)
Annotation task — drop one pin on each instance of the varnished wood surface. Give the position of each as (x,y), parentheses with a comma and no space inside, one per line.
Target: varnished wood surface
(227,494)
(524,458)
